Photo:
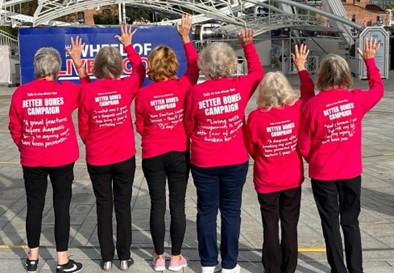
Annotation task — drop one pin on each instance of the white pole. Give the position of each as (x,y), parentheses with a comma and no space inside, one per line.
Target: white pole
(124,12)
(120,13)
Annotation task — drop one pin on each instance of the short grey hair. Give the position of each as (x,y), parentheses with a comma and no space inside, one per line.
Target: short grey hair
(334,72)
(108,63)
(217,60)
(47,62)
(275,91)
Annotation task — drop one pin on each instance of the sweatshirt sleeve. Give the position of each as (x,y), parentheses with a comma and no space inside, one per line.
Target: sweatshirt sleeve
(249,142)
(137,76)
(139,118)
(85,80)
(307,86)
(189,121)
(255,69)
(83,117)
(305,133)
(191,74)
(376,89)
(15,123)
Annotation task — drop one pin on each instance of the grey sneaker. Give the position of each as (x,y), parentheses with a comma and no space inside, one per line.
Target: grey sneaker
(107,266)
(125,264)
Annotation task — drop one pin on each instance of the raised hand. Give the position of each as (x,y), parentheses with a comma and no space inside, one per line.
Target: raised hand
(299,57)
(371,46)
(76,50)
(245,36)
(183,29)
(126,35)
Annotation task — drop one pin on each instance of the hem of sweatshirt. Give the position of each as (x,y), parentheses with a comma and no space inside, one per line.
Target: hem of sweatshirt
(51,165)
(334,178)
(150,155)
(218,164)
(273,190)
(108,162)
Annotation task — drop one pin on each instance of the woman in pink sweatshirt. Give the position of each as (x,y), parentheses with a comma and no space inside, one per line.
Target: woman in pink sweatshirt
(214,120)
(106,128)
(165,146)
(272,134)
(330,141)
(41,126)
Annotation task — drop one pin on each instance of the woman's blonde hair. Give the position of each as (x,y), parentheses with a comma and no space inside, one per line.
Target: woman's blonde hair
(334,72)
(108,63)
(275,91)
(217,60)
(162,63)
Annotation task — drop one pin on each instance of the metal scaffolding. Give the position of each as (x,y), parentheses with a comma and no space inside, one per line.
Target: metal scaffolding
(231,15)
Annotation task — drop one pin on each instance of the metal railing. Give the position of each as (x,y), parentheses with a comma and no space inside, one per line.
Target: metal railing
(8,39)
(311,64)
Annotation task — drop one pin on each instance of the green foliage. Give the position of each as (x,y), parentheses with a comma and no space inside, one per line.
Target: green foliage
(106,18)
(390,6)
(29,8)
(135,14)
(10,30)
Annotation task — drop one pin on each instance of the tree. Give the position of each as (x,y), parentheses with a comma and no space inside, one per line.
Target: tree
(390,6)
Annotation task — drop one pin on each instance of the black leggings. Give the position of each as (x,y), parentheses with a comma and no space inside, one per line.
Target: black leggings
(173,166)
(36,183)
(338,202)
(112,186)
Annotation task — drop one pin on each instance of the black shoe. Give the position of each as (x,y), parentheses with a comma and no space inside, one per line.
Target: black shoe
(31,265)
(70,267)
(125,264)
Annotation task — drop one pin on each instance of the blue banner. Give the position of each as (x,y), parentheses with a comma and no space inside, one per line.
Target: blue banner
(144,41)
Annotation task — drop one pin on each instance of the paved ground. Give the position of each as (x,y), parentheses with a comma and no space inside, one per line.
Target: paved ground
(376,220)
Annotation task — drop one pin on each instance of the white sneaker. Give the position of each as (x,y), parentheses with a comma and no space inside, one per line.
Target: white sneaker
(211,269)
(236,269)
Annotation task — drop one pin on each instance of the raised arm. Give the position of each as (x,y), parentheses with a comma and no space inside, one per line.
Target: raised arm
(75,54)
(307,86)
(183,29)
(376,88)
(255,69)
(125,37)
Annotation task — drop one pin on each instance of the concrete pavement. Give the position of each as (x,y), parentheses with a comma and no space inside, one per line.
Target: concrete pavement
(376,220)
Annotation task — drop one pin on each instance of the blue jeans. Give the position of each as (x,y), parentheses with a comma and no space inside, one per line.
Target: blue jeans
(219,188)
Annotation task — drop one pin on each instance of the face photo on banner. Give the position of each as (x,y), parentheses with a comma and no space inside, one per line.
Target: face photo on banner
(144,41)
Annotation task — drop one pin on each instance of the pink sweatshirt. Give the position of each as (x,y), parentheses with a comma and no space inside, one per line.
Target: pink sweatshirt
(41,124)
(330,130)
(104,117)
(271,139)
(215,114)
(160,108)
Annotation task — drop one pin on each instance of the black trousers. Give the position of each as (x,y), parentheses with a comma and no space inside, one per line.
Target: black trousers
(280,256)
(112,185)
(338,203)
(174,167)
(36,183)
